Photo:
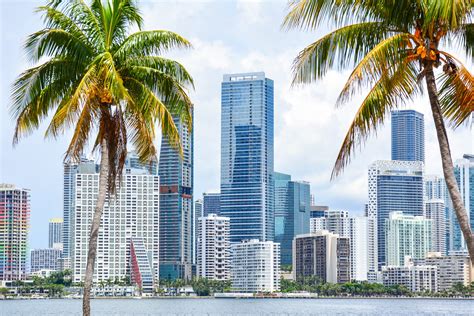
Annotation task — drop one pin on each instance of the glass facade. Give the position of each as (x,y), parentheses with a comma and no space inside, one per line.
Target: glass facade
(394,186)
(292,212)
(408,136)
(211,203)
(247,156)
(176,207)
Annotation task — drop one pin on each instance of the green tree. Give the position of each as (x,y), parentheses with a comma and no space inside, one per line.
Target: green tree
(108,85)
(4,292)
(393,45)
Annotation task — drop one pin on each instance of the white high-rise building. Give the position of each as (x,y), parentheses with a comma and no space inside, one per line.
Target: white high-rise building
(435,210)
(133,212)
(417,278)
(213,247)
(44,259)
(255,266)
(360,232)
(407,235)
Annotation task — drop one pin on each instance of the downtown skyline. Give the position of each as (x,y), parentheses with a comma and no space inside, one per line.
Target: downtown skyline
(305,158)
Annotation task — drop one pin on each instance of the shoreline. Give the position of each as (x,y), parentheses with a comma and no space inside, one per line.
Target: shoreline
(242,297)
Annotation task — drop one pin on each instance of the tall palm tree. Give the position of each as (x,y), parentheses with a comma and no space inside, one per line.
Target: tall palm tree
(393,45)
(106,84)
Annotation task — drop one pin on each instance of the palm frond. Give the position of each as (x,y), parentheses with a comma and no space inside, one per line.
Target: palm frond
(395,87)
(146,43)
(338,49)
(456,93)
(390,51)
(450,14)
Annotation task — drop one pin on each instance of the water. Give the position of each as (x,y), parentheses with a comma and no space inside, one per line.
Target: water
(240,307)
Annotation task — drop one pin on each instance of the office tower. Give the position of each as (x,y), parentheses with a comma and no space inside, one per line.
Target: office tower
(393,185)
(55,233)
(292,212)
(435,188)
(416,278)
(407,235)
(358,230)
(211,203)
(176,207)
(452,269)
(141,266)
(14,228)
(247,156)
(198,212)
(322,254)
(318,211)
(408,136)
(213,247)
(132,212)
(69,182)
(464,173)
(435,210)
(44,259)
(255,266)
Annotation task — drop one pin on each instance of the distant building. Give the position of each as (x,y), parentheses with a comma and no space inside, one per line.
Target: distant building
(213,247)
(360,232)
(71,169)
(211,203)
(407,235)
(45,259)
(176,206)
(141,264)
(133,212)
(247,156)
(255,266)
(14,229)
(452,269)
(322,254)
(292,212)
(435,189)
(318,211)
(416,278)
(198,212)
(393,186)
(56,233)
(408,136)
(435,210)
(464,173)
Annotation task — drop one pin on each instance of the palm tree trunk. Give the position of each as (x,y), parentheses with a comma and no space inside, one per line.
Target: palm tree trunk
(448,168)
(94,232)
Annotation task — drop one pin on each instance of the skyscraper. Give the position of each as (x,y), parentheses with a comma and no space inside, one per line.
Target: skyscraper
(406,235)
(14,227)
(292,212)
(435,210)
(55,233)
(69,182)
(44,259)
(211,203)
(132,212)
(198,212)
(247,156)
(408,136)
(176,207)
(393,185)
(213,247)
(464,173)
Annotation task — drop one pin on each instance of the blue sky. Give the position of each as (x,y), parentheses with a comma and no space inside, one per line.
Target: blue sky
(228,36)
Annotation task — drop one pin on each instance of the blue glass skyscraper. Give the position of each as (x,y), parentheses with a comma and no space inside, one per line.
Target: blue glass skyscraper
(292,212)
(408,135)
(247,156)
(211,203)
(393,186)
(176,207)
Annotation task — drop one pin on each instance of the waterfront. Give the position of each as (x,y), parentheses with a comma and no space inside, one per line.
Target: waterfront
(240,307)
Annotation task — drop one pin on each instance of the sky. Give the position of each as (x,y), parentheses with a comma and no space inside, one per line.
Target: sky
(227,37)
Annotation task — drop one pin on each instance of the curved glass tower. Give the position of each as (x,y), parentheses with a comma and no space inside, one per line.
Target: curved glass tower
(247,156)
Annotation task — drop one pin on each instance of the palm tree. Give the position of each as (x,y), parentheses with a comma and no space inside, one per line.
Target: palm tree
(393,45)
(106,84)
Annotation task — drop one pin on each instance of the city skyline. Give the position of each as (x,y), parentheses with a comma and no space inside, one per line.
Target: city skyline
(291,119)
